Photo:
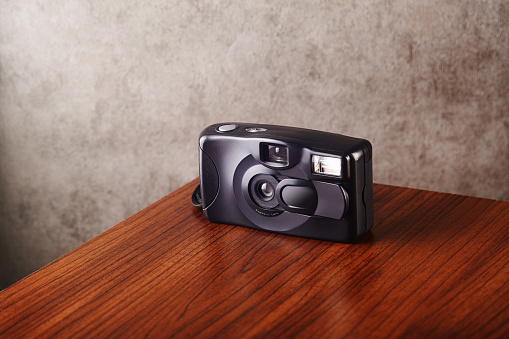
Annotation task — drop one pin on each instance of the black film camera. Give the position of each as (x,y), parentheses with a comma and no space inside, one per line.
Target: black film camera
(287,180)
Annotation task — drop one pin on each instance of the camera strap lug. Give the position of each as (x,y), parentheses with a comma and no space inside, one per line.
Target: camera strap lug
(196,197)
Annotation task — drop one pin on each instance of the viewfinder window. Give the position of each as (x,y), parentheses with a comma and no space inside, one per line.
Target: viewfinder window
(275,154)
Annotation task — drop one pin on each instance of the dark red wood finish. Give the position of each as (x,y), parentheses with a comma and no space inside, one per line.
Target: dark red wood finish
(434,265)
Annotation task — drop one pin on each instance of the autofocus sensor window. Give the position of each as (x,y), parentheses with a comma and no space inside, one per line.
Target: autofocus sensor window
(274,154)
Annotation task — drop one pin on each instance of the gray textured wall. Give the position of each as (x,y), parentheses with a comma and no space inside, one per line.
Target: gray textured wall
(101,102)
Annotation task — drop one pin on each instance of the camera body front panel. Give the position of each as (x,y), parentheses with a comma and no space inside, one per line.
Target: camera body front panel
(287,180)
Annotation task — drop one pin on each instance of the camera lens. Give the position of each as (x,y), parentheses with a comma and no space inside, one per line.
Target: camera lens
(265,190)
(262,190)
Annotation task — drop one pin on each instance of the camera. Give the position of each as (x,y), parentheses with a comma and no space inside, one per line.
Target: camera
(286,180)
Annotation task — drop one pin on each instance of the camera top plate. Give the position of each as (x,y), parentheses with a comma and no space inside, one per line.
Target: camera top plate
(318,140)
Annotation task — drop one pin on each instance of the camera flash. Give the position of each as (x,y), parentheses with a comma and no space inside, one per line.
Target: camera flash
(326,165)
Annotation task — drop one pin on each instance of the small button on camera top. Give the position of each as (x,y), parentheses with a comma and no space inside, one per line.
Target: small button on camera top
(227,128)
(255,129)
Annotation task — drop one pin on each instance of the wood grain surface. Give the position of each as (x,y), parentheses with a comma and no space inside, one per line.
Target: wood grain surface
(434,265)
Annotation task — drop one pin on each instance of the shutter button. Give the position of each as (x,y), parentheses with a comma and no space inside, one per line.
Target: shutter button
(227,128)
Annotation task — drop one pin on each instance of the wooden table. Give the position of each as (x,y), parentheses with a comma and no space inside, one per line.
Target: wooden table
(434,265)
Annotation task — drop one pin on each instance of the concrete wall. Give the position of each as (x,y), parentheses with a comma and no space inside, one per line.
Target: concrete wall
(101,102)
